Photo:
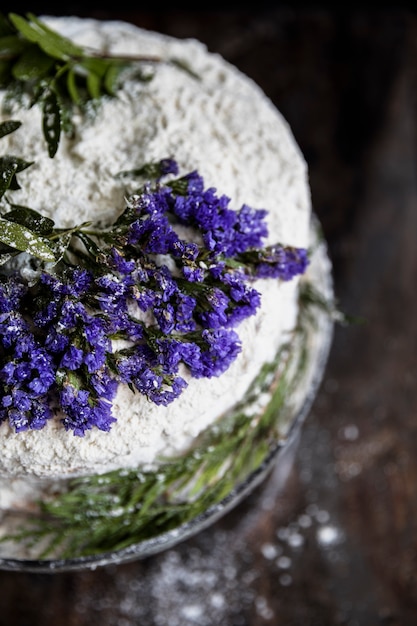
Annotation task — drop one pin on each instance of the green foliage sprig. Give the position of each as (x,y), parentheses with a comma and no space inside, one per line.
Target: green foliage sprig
(53,71)
(23,229)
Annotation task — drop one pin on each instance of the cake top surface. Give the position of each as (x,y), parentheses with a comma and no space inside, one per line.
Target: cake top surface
(212,124)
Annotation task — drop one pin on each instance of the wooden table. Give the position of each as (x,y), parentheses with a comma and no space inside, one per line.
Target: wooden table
(335,543)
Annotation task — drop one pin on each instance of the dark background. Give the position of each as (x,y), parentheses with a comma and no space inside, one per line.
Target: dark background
(331,537)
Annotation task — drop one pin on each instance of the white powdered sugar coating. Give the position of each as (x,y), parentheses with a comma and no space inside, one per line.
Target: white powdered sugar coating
(221,125)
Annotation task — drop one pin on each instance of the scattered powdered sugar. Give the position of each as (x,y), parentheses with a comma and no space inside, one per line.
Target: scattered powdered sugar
(196,587)
(221,125)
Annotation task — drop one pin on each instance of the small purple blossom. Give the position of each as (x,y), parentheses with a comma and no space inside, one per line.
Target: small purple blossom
(83,411)
(193,274)
(214,353)
(11,295)
(213,308)
(185,306)
(153,234)
(72,358)
(168,166)
(24,410)
(282,263)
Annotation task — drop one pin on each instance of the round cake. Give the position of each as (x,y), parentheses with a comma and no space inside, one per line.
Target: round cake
(89,241)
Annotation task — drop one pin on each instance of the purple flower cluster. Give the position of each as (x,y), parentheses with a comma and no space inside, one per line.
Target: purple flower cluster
(27,370)
(174,300)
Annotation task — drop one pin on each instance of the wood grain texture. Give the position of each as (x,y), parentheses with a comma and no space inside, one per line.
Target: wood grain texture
(331,536)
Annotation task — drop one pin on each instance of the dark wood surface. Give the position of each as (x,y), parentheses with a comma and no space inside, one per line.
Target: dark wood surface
(331,536)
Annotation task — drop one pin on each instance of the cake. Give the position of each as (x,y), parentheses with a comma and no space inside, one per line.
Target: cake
(187,114)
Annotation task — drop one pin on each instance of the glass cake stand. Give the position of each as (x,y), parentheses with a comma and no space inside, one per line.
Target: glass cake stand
(318,339)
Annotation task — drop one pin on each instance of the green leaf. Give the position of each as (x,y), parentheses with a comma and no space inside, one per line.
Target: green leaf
(20,164)
(11,46)
(112,76)
(72,86)
(182,65)
(9,126)
(30,218)
(93,249)
(14,185)
(96,66)
(51,122)
(94,85)
(32,64)
(7,173)
(152,170)
(51,42)
(25,240)
(9,166)
(39,62)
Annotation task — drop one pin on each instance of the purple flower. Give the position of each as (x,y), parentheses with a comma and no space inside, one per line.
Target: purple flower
(27,373)
(42,371)
(169,355)
(83,411)
(165,316)
(217,351)
(282,262)
(11,295)
(189,251)
(104,384)
(193,274)
(164,284)
(223,346)
(112,295)
(74,282)
(25,411)
(212,309)
(169,392)
(122,265)
(14,331)
(195,183)
(152,203)
(184,313)
(244,300)
(168,166)
(56,342)
(72,358)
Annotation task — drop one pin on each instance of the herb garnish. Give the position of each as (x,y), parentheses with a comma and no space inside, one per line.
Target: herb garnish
(48,69)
